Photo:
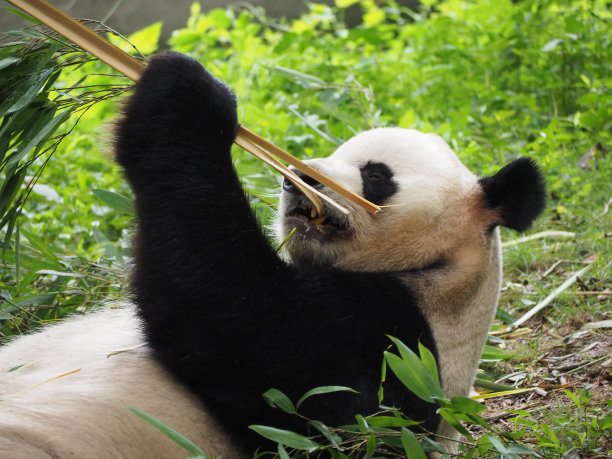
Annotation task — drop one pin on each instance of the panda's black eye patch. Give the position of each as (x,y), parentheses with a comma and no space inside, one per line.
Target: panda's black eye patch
(378,183)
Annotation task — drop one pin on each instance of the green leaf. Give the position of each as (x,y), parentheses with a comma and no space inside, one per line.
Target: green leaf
(449,416)
(467,405)
(8,61)
(41,247)
(282,452)
(308,81)
(277,399)
(287,438)
(606,422)
(412,448)
(41,135)
(146,40)
(115,201)
(362,424)
(323,390)
(391,421)
(333,438)
(169,432)
(429,361)
(371,445)
(413,373)
(495,354)
(25,90)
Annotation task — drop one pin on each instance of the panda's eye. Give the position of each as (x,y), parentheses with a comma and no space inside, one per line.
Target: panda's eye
(378,183)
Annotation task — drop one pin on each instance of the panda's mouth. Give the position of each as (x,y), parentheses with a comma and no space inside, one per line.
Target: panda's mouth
(305,219)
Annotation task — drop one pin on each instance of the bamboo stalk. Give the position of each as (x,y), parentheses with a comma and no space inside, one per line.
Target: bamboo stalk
(541,305)
(132,68)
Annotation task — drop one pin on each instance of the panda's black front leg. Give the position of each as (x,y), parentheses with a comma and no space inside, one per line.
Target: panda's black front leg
(196,233)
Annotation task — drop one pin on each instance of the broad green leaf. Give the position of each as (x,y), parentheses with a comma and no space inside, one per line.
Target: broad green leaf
(413,373)
(371,445)
(287,438)
(391,421)
(169,432)
(430,446)
(497,444)
(146,40)
(282,452)
(449,416)
(323,390)
(429,361)
(8,61)
(495,354)
(333,438)
(115,201)
(521,450)
(362,424)
(308,81)
(28,262)
(277,399)
(466,405)
(411,445)
(9,190)
(41,247)
(606,422)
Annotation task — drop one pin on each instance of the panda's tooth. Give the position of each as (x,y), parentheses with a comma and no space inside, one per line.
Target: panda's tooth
(317,221)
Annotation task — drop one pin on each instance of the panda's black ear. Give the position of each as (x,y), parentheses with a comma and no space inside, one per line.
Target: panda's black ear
(517,192)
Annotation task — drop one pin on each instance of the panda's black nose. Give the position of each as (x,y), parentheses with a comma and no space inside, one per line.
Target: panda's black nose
(290,188)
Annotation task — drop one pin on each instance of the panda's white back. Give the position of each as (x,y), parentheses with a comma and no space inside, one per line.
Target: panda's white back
(71,393)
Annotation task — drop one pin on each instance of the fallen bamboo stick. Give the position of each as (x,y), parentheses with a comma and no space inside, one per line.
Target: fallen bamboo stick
(133,68)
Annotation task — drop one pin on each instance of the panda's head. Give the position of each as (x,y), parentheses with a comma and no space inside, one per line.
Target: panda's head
(433,206)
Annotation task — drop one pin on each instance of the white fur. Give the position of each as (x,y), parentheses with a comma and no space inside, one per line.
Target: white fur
(85,414)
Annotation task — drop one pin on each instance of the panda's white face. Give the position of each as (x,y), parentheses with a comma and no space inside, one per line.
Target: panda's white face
(432,205)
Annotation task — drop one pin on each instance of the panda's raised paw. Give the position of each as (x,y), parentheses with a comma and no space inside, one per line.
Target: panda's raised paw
(176,95)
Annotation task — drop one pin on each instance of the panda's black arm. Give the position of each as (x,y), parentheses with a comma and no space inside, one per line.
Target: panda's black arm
(195,226)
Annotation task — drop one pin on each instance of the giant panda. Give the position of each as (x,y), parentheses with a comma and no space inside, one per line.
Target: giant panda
(218,317)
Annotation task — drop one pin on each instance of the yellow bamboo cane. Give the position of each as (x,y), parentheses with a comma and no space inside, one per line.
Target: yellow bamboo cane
(132,68)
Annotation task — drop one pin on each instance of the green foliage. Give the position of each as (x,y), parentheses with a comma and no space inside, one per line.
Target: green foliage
(387,433)
(572,427)
(63,244)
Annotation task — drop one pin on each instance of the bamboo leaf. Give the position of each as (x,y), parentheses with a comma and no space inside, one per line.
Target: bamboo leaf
(169,432)
(429,361)
(323,390)
(115,201)
(277,399)
(41,136)
(287,438)
(411,445)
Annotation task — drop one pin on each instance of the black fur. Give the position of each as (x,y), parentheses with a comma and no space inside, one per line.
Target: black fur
(378,183)
(518,191)
(221,311)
